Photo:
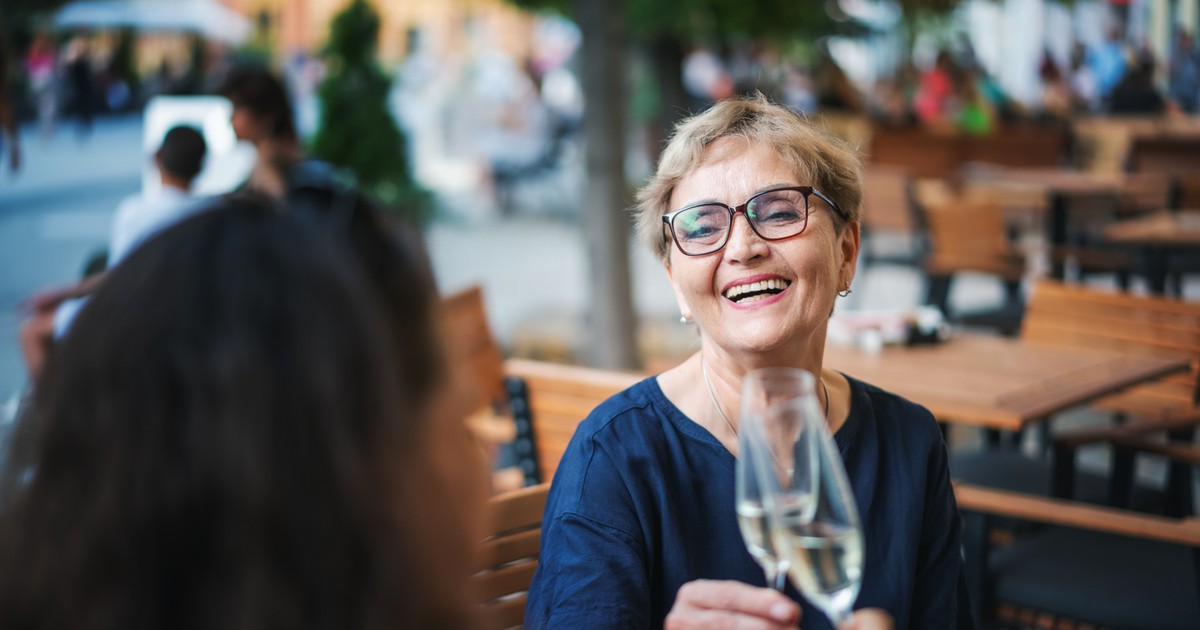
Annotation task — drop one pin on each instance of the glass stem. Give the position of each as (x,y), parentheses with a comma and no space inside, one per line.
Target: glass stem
(839,616)
(780,575)
(776,573)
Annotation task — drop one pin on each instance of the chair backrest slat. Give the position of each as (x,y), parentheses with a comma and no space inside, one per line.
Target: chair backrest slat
(885,204)
(508,556)
(1164,153)
(966,233)
(1060,314)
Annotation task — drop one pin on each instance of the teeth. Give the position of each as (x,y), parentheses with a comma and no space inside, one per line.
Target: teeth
(774,284)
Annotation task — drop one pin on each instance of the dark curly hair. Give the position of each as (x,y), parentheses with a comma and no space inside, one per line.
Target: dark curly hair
(234,435)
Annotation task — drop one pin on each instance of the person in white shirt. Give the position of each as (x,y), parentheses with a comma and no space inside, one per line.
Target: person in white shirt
(179,160)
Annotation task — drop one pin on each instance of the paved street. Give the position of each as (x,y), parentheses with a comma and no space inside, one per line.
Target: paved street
(55,213)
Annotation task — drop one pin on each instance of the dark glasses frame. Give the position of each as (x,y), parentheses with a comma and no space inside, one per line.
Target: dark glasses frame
(806,191)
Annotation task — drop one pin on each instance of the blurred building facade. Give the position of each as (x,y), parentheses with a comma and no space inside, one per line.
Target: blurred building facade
(301,26)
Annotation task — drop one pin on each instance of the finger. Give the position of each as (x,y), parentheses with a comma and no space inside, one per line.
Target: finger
(728,595)
(728,620)
(869,619)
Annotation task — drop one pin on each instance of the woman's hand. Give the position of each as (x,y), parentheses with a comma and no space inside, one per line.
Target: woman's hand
(869,619)
(704,604)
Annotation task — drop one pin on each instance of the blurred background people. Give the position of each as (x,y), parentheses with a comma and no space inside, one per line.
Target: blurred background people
(1184,74)
(1109,60)
(263,116)
(1085,89)
(835,91)
(1055,98)
(246,428)
(41,66)
(81,81)
(10,137)
(179,161)
(1136,94)
(931,102)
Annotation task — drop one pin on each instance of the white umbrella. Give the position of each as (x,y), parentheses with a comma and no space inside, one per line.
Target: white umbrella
(205,17)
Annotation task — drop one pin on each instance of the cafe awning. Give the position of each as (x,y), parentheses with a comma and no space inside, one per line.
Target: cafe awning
(207,18)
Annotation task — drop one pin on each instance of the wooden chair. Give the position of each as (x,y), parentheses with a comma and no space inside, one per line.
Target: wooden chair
(1085,566)
(535,405)
(1078,317)
(968,233)
(1164,153)
(509,555)
(549,401)
(1186,194)
(476,365)
(1089,215)
(474,357)
(892,231)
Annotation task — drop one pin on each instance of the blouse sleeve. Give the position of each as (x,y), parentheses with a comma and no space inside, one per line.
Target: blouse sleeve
(592,572)
(940,596)
(590,576)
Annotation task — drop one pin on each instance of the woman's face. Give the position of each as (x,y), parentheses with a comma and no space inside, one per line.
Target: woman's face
(247,126)
(802,274)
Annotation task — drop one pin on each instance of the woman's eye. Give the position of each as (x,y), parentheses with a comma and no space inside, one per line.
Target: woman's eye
(776,211)
(702,223)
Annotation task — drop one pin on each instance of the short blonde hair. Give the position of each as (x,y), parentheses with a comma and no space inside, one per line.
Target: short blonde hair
(818,159)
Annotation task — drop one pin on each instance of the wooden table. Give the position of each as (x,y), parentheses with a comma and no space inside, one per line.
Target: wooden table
(1054,189)
(1156,235)
(993,382)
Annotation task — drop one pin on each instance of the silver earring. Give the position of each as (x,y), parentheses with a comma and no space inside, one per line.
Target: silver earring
(684,319)
(845,292)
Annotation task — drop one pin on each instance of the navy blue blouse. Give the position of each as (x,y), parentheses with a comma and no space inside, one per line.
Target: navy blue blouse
(643,501)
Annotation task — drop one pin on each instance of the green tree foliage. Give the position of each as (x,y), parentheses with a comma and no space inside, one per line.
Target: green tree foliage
(357,131)
(716,20)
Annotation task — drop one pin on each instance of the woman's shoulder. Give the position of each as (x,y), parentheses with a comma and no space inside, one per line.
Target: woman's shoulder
(635,410)
(886,401)
(628,431)
(888,410)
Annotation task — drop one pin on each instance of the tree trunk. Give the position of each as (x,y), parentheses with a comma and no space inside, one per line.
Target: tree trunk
(666,55)
(605,221)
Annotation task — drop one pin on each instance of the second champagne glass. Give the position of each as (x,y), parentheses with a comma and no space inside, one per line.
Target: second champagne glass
(768,430)
(823,548)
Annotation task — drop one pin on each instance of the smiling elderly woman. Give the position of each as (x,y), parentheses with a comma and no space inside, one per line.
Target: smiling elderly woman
(755,214)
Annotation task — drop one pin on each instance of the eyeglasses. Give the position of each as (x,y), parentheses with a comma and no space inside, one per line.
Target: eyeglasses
(773,214)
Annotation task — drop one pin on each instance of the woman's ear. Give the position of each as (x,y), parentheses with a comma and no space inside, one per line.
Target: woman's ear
(685,311)
(849,245)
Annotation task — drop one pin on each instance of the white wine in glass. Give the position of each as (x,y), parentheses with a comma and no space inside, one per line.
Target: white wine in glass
(766,439)
(823,548)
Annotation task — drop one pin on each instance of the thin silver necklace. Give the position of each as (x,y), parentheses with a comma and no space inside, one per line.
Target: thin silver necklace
(713,395)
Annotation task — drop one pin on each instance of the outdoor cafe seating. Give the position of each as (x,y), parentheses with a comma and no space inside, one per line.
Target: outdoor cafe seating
(1076,345)
(1051,540)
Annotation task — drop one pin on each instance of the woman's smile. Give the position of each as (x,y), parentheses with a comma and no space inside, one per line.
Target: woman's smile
(756,291)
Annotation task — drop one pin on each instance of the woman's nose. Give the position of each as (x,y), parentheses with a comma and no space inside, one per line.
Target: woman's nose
(744,244)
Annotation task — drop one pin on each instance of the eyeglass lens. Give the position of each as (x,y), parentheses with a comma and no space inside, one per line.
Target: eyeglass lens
(773,215)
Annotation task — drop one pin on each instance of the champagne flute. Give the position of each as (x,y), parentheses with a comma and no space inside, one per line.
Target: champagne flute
(823,548)
(765,471)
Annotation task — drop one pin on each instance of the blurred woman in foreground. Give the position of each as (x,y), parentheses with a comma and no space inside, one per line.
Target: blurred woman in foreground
(243,430)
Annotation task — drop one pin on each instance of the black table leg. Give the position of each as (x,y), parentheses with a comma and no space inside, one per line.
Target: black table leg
(1057,232)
